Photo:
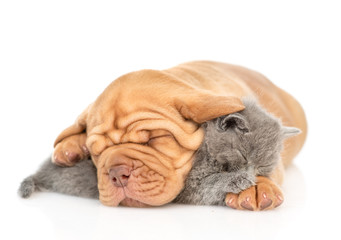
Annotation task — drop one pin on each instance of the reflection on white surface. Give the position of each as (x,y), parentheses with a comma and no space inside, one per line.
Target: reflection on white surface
(72,217)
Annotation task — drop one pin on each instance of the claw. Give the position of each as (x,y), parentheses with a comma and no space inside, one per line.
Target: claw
(247,205)
(265,204)
(231,203)
(73,157)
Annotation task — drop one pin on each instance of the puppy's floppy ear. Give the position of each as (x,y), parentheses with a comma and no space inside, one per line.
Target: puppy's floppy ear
(203,106)
(78,127)
(235,120)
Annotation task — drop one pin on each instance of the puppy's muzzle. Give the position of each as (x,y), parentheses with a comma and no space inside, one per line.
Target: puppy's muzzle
(119,175)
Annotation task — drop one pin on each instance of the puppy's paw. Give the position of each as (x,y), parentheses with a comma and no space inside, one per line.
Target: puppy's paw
(264,195)
(70,150)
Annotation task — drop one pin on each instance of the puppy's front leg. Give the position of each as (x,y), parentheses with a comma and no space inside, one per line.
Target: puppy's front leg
(70,150)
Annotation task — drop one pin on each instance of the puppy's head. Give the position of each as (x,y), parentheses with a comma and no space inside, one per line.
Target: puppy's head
(142,133)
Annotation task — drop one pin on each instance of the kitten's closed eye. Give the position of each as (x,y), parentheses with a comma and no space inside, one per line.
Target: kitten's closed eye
(228,167)
(233,161)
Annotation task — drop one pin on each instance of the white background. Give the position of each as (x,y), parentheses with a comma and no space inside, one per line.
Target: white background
(56,57)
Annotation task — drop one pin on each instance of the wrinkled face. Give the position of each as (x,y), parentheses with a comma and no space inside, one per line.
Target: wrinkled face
(142,150)
(140,162)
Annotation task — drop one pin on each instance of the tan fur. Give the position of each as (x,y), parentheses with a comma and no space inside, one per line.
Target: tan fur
(150,121)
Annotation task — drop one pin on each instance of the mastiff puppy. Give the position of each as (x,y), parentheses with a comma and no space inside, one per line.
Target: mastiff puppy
(143,130)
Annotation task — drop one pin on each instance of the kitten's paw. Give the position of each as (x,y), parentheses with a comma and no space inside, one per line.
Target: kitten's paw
(70,150)
(264,195)
(241,182)
(27,187)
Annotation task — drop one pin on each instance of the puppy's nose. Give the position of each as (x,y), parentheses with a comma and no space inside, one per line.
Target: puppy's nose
(119,175)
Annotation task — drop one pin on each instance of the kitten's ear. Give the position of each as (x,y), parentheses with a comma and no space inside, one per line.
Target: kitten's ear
(290,131)
(234,120)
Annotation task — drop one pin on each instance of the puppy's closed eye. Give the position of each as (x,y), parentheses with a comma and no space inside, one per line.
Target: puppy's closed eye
(153,140)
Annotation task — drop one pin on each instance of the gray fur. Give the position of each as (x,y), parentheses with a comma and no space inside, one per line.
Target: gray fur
(79,180)
(27,187)
(236,148)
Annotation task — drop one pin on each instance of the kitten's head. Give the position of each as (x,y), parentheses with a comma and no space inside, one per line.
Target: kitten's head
(248,139)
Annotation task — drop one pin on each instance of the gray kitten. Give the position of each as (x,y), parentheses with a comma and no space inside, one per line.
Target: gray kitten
(79,180)
(236,148)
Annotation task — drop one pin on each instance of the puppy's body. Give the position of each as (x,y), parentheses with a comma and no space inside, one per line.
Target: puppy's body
(236,148)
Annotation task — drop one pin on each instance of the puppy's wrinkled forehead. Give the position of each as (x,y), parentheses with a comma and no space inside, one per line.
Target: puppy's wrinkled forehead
(146,104)
(137,118)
